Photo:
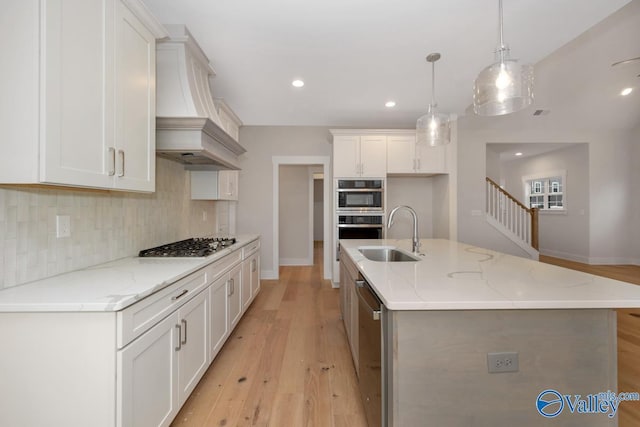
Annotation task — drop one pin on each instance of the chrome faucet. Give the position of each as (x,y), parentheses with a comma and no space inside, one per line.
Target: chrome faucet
(416,239)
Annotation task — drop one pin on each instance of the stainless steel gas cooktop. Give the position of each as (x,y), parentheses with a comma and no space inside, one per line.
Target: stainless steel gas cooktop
(194,247)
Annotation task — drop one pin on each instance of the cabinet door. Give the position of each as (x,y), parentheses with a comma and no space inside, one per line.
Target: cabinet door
(228,185)
(219,317)
(401,154)
(431,159)
(135,103)
(255,274)
(76,92)
(194,351)
(148,394)
(235,295)
(346,156)
(373,156)
(246,282)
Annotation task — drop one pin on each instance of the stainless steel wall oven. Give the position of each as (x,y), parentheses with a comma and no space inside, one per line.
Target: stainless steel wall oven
(360,195)
(363,226)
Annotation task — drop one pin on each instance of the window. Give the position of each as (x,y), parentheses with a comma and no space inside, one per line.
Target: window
(545,191)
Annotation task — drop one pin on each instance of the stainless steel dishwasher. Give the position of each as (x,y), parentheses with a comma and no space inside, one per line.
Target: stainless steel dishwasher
(371,313)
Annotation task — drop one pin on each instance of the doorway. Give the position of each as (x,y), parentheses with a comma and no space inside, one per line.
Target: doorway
(293,219)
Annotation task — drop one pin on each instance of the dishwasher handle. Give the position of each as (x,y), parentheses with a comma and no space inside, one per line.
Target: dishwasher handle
(362,286)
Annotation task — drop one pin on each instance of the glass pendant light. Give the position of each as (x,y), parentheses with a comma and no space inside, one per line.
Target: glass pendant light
(505,86)
(433,128)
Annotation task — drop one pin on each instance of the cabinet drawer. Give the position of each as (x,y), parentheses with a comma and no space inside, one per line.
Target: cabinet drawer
(141,316)
(248,250)
(223,265)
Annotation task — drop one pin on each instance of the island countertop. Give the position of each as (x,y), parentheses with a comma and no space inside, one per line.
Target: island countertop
(457,276)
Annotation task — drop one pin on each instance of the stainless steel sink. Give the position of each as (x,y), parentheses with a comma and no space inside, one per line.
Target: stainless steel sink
(386,254)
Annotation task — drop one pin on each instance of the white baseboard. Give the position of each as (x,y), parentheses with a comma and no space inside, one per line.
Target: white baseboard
(296,261)
(268,275)
(613,261)
(565,255)
(590,260)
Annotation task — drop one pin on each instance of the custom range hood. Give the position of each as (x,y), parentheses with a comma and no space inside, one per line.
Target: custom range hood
(188,127)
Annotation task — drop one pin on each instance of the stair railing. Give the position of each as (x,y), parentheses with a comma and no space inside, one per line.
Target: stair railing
(513,215)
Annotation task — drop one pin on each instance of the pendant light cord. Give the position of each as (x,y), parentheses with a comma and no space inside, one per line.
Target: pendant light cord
(433,84)
(502,47)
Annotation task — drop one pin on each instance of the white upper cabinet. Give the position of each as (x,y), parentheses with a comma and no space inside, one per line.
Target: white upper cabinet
(359,156)
(214,185)
(404,156)
(78,104)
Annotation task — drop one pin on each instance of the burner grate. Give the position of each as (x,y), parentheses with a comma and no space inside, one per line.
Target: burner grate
(194,247)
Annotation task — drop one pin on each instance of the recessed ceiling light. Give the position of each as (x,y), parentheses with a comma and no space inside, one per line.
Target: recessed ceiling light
(390,104)
(626,91)
(297,83)
(518,154)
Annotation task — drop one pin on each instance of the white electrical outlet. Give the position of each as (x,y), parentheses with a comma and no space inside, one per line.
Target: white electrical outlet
(63,226)
(204,215)
(502,362)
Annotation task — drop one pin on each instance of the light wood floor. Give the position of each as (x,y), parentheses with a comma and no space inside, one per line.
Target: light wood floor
(286,364)
(628,335)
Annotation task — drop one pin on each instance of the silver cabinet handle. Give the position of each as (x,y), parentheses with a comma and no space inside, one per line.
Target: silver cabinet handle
(112,161)
(230,283)
(180,295)
(121,155)
(184,322)
(233,286)
(179,337)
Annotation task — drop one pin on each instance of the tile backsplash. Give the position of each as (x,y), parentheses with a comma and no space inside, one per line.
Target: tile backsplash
(104,225)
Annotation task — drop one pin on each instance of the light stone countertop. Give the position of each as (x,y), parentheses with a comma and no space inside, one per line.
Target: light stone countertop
(111,286)
(457,276)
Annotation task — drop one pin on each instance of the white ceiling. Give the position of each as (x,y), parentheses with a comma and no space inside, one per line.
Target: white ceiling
(354,55)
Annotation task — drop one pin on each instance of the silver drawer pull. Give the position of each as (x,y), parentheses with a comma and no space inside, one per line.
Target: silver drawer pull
(180,295)
(179,337)
(184,322)
(112,161)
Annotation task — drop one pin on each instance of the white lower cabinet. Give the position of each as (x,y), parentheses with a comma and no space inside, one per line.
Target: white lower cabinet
(250,279)
(129,368)
(148,392)
(219,319)
(235,295)
(162,367)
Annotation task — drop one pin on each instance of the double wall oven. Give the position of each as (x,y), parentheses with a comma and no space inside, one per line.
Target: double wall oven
(359,209)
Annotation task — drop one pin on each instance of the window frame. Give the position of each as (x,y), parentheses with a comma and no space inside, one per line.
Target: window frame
(546,190)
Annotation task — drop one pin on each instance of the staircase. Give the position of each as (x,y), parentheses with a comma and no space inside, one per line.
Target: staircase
(513,219)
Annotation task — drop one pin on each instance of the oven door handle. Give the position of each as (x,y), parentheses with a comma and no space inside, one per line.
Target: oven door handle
(359,190)
(360,285)
(360,226)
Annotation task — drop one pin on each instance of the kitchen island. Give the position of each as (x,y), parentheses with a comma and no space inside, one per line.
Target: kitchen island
(445,313)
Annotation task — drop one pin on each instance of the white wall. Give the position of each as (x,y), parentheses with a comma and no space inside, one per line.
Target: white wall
(634,220)
(318,209)
(256,198)
(561,235)
(610,192)
(416,192)
(294,216)
(104,225)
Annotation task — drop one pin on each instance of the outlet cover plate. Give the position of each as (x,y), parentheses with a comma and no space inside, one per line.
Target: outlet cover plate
(502,362)
(63,226)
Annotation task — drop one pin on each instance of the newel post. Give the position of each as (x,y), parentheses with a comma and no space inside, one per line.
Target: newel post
(534,228)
